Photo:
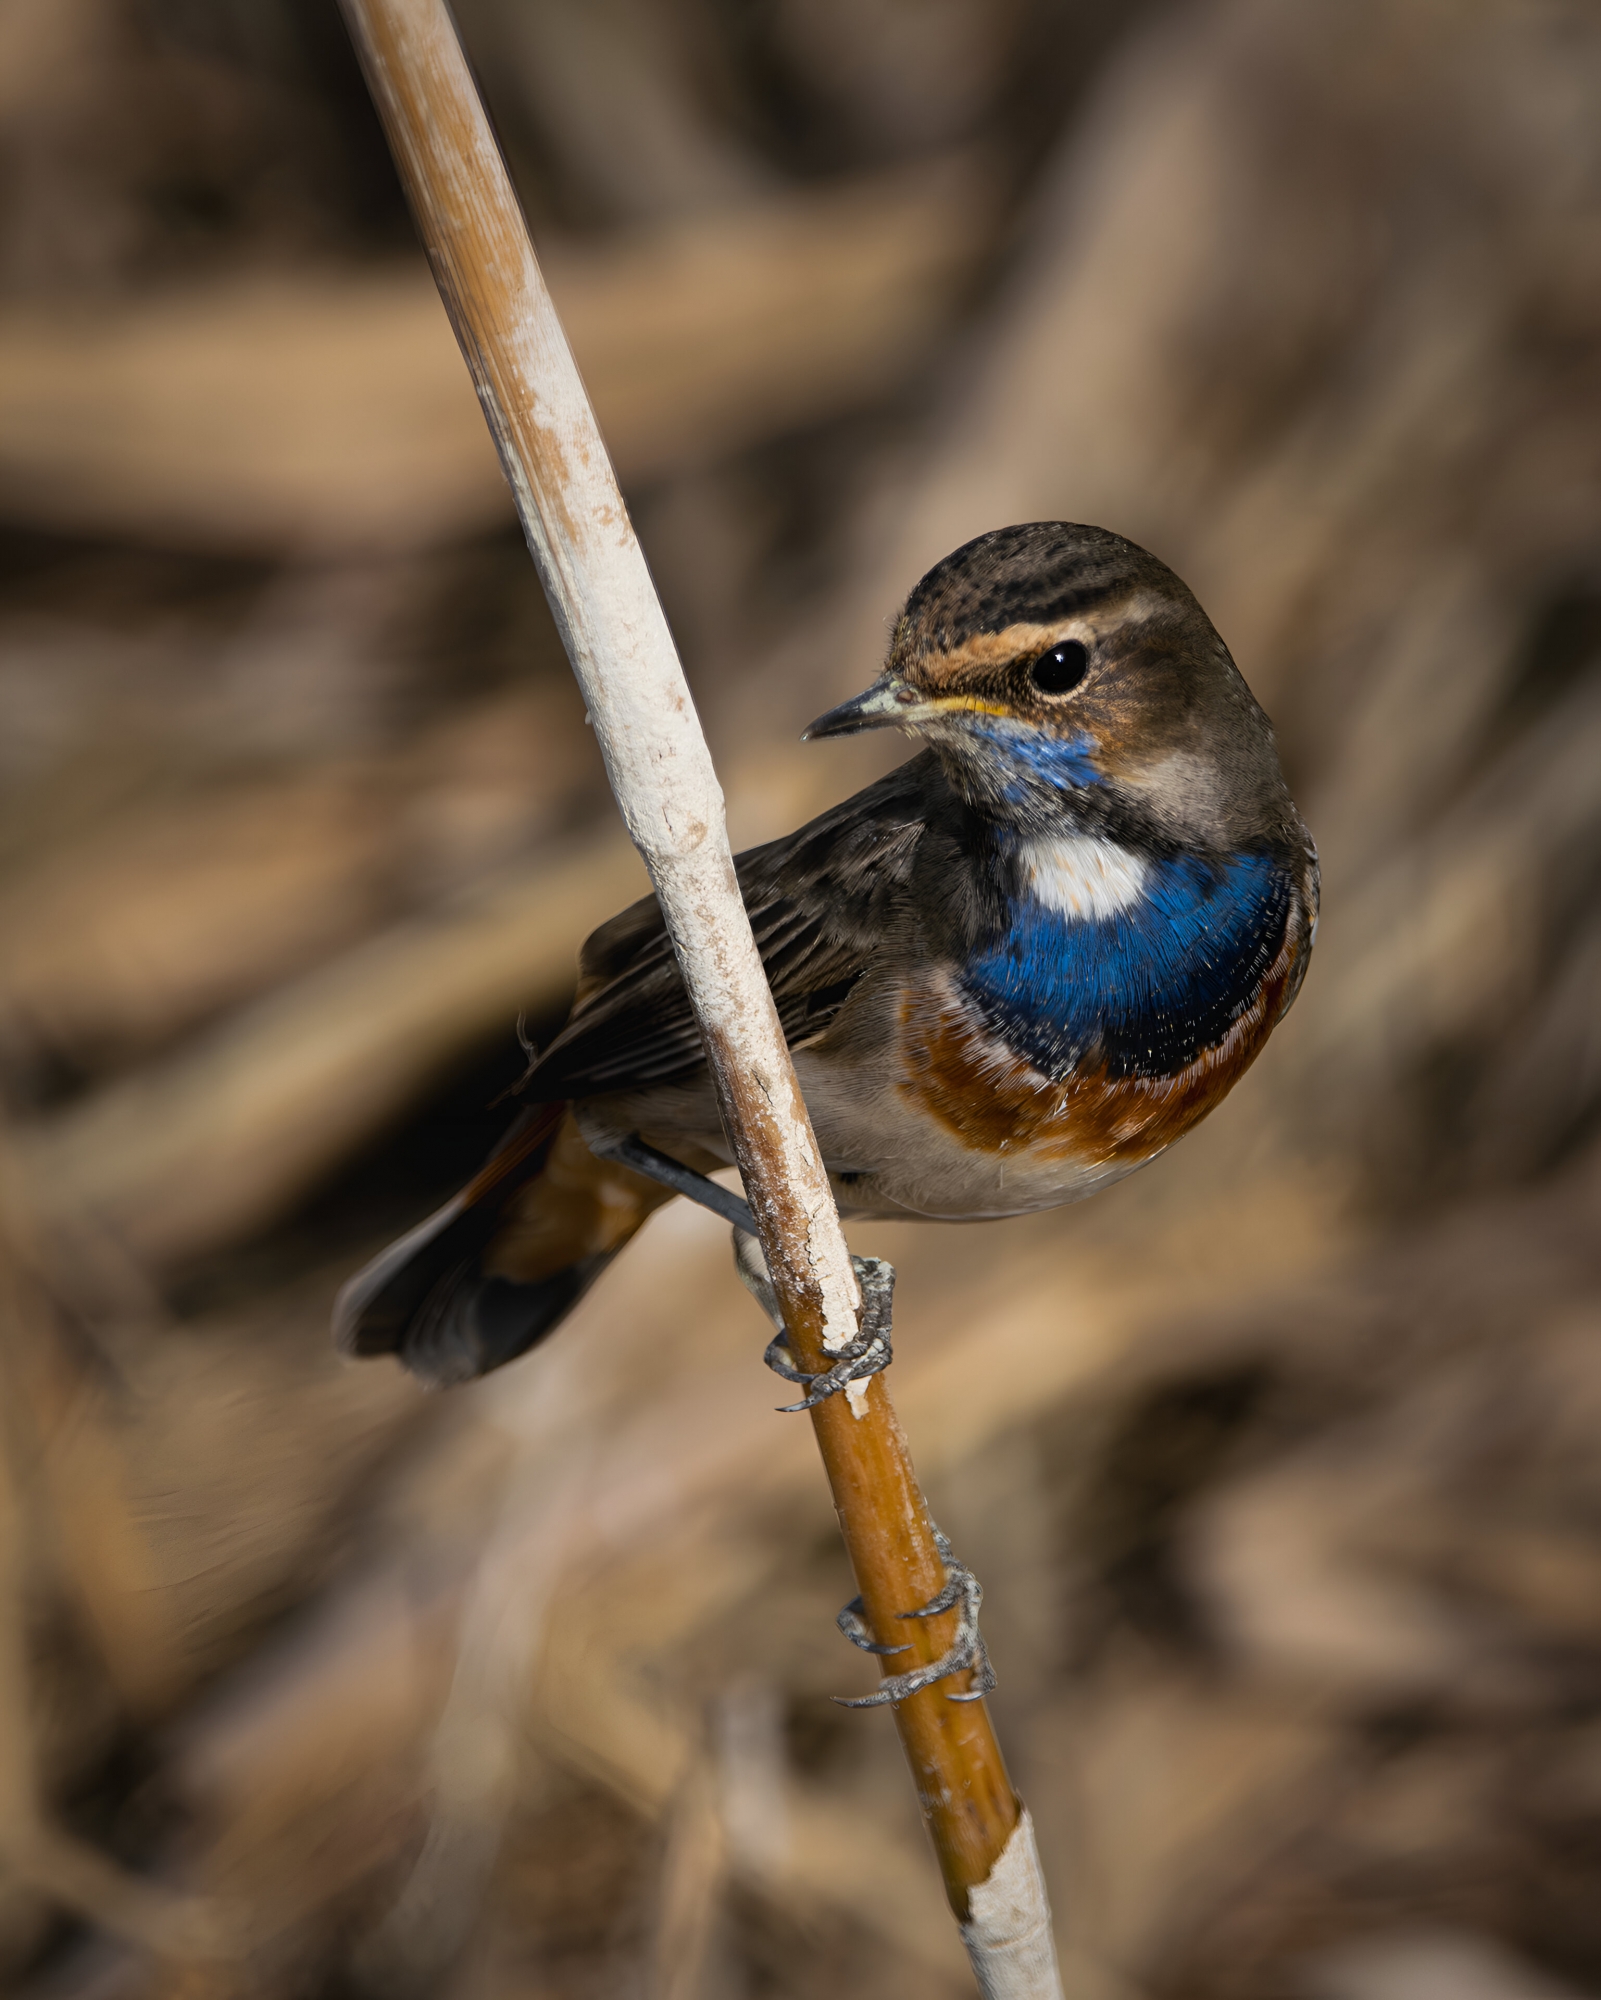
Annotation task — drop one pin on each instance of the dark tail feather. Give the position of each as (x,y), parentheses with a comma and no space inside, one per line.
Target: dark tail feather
(427,1298)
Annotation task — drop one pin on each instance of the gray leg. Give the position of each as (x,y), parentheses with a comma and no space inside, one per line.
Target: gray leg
(633,1152)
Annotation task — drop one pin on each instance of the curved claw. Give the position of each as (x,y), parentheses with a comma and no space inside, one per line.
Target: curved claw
(870,1353)
(966,1650)
(856,1628)
(855,1363)
(777,1356)
(953,1593)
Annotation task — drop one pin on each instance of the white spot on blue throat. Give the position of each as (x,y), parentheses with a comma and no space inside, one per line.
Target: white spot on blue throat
(1079,875)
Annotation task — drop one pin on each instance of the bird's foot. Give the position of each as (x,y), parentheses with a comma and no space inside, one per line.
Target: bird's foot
(869,1353)
(966,1650)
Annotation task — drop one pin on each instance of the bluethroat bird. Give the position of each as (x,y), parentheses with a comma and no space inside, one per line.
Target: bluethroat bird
(1011,972)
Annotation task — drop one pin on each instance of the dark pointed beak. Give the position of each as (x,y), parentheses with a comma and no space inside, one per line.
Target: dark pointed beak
(887,702)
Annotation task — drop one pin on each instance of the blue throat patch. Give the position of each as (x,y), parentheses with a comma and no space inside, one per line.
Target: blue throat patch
(1026,757)
(1145,990)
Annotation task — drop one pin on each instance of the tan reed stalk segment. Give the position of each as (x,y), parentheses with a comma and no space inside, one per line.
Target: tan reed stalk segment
(623,654)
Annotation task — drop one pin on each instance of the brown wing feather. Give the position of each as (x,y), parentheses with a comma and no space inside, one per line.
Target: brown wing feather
(818,902)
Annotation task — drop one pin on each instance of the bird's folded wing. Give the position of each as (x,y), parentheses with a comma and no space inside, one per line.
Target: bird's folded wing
(820,902)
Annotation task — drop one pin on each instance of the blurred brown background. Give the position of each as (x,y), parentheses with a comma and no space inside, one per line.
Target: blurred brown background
(1279,1463)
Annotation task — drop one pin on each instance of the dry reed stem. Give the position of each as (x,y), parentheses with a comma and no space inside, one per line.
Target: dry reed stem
(623,655)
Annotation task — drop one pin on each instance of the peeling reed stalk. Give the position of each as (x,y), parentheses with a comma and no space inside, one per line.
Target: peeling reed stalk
(626,663)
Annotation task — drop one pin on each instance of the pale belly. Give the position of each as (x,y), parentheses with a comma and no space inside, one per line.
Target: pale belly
(885,1156)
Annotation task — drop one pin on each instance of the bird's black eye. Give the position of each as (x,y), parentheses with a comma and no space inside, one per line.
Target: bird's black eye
(1061,669)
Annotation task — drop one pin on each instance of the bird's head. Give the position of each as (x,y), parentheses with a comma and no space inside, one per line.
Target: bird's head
(1062,674)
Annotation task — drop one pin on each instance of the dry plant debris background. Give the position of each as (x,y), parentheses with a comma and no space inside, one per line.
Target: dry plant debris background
(1279,1462)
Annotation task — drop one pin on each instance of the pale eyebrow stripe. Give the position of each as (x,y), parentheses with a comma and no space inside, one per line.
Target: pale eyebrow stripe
(1019,639)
